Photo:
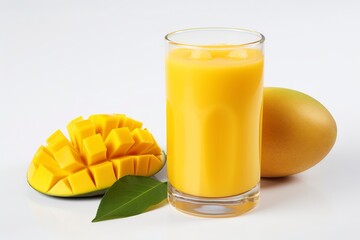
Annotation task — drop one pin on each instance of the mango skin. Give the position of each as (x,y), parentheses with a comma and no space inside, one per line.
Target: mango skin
(297,132)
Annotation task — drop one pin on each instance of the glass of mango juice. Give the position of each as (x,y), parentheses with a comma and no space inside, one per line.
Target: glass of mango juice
(214,89)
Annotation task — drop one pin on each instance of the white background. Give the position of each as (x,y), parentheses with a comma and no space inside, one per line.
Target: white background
(62,59)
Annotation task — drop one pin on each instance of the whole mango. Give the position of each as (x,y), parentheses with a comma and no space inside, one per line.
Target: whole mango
(297,132)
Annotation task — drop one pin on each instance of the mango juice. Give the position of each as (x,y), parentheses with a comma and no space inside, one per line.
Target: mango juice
(214,111)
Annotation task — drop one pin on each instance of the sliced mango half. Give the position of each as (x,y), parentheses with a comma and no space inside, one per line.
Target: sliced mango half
(101,149)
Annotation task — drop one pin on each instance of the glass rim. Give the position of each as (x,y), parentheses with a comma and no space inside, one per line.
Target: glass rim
(168,37)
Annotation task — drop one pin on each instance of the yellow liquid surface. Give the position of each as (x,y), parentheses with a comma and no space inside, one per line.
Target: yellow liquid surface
(214,110)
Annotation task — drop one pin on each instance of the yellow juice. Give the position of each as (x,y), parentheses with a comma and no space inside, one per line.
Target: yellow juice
(214,111)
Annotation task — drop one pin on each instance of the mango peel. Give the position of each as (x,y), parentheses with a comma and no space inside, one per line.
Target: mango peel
(297,132)
(101,149)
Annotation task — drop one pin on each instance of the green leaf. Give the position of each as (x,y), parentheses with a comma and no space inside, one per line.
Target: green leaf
(130,195)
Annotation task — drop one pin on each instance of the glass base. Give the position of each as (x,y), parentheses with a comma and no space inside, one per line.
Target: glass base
(214,207)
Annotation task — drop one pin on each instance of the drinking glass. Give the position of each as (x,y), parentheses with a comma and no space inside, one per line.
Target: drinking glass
(214,92)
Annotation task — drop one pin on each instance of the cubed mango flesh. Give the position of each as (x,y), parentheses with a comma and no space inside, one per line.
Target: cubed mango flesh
(57,141)
(69,159)
(94,149)
(105,123)
(124,166)
(143,141)
(118,142)
(101,150)
(103,174)
(130,123)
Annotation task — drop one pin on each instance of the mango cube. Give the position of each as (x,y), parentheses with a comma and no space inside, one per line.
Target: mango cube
(118,142)
(154,148)
(94,149)
(69,159)
(43,178)
(143,141)
(81,182)
(61,187)
(124,166)
(155,164)
(131,123)
(105,123)
(57,141)
(82,129)
(103,174)
(141,165)
(122,118)
(71,131)
(44,156)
